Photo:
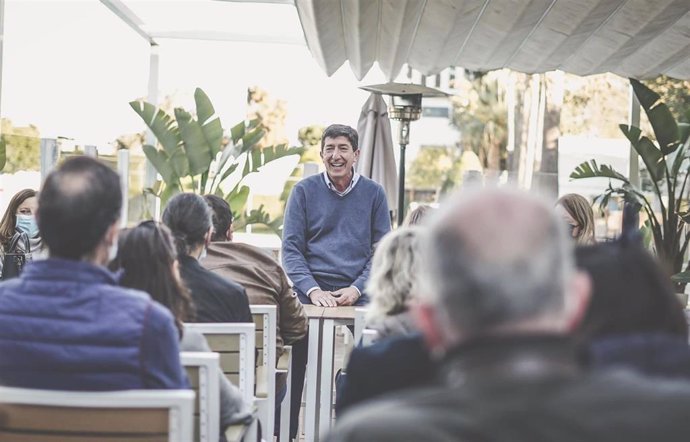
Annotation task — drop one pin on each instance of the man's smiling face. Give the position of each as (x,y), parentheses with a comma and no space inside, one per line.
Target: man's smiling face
(338,157)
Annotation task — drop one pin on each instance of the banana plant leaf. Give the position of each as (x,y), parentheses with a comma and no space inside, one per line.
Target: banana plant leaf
(660,116)
(161,124)
(161,162)
(251,139)
(238,200)
(590,169)
(652,157)
(280,151)
(211,128)
(259,216)
(227,172)
(180,162)
(196,147)
(237,132)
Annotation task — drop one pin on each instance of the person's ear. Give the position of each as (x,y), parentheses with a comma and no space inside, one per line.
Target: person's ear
(428,323)
(209,235)
(577,300)
(112,233)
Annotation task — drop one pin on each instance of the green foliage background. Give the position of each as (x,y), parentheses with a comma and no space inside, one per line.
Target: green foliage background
(23,151)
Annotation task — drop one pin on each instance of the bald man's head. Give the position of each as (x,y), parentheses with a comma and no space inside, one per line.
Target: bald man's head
(78,203)
(496,258)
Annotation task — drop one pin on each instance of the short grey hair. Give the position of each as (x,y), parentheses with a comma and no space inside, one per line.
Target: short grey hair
(496,258)
(341,130)
(394,276)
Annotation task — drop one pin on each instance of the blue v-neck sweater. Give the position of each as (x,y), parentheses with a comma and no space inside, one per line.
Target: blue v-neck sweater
(328,239)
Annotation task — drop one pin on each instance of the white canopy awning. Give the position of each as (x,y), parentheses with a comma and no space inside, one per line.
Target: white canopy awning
(632,38)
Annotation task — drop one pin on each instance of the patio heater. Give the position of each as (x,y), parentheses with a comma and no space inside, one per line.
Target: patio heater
(405,106)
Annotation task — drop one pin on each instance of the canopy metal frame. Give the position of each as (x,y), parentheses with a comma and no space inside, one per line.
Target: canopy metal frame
(672,59)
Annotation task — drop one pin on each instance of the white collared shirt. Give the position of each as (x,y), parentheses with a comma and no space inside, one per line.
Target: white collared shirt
(353,181)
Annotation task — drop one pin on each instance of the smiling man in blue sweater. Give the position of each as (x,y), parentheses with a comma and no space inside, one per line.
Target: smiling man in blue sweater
(333,221)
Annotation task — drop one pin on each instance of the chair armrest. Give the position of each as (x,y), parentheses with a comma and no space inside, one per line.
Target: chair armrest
(261,383)
(235,433)
(284,362)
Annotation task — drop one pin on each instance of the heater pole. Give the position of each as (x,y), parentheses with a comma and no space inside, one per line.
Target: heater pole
(404,140)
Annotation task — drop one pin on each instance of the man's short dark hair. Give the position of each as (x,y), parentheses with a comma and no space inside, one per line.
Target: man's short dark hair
(79,201)
(222,216)
(340,130)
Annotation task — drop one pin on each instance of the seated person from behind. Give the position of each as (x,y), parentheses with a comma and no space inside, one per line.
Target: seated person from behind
(148,258)
(393,283)
(389,364)
(634,319)
(265,283)
(500,297)
(216,299)
(419,216)
(65,324)
(333,221)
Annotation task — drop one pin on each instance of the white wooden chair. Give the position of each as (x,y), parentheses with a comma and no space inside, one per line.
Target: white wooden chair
(369,336)
(234,342)
(202,371)
(360,313)
(28,415)
(284,365)
(265,319)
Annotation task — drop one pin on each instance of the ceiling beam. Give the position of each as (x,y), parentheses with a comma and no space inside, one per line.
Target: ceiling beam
(229,36)
(129,17)
(278,2)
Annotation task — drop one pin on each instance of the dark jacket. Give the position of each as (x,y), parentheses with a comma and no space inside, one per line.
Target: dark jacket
(388,365)
(66,325)
(653,354)
(216,299)
(524,389)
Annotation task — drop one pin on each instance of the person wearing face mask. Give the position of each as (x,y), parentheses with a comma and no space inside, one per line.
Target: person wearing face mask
(216,299)
(19,235)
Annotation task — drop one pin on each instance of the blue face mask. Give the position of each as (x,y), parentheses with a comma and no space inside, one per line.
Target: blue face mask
(27,224)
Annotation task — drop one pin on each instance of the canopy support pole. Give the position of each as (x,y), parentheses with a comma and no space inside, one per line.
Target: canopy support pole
(404,140)
(634,120)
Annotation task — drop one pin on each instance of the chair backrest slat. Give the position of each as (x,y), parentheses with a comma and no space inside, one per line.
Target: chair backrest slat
(202,371)
(135,415)
(265,320)
(234,342)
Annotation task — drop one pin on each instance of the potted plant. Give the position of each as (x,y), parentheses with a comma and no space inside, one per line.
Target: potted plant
(667,163)
(194,156)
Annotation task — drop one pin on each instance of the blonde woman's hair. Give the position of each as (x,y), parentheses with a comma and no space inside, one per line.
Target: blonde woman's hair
(580,209)
(418,215)
(394,276)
